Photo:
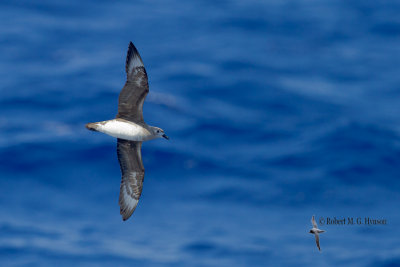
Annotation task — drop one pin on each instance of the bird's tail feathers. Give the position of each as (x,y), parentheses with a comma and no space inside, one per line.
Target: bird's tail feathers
(92,126)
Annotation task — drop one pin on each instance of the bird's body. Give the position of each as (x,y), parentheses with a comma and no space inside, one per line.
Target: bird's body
(131,130)
(123,129)
(316,231)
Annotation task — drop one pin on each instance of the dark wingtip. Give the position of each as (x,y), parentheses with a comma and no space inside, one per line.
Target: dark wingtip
(126,216)
(132,53)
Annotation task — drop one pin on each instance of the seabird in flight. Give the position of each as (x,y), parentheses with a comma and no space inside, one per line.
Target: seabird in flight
(131,130)
(316,231)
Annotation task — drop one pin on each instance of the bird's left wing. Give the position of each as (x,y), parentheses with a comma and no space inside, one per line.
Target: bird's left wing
(130,160)
(131,98)
(313,222)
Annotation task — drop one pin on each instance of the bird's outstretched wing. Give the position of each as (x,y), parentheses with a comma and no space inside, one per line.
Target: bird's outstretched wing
(130,160)
(317,241)
(131,98)
(314,224)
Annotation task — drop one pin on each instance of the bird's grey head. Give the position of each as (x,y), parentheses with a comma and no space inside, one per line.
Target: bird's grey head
(159,132)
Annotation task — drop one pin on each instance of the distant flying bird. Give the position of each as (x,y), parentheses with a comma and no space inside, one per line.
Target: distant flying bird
(131,130)
(316,231)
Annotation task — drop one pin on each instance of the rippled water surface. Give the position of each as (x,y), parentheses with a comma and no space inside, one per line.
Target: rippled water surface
(277,110)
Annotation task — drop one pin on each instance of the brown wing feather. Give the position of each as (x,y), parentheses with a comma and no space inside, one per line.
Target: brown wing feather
(130,159)
(131,98)
(317,241)
(314,223)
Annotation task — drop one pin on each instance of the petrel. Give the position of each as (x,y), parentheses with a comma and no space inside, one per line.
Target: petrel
(316,231)
(131,130)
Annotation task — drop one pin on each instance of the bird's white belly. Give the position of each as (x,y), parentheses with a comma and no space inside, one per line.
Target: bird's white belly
(124,130)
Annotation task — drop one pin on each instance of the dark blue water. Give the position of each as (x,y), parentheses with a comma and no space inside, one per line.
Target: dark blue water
(277,110)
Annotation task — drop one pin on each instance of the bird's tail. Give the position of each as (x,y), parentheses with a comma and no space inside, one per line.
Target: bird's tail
(92,126)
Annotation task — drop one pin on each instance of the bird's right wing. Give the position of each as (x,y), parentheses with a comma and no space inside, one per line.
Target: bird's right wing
(313,222)
(130,160)
(317,241)
(131,98)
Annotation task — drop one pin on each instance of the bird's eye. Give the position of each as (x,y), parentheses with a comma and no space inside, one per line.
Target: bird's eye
(158,131)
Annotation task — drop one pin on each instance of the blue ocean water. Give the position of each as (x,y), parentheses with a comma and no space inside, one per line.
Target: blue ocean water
(276,110)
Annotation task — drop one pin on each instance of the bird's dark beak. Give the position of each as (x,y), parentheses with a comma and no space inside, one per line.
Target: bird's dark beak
(165,136)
